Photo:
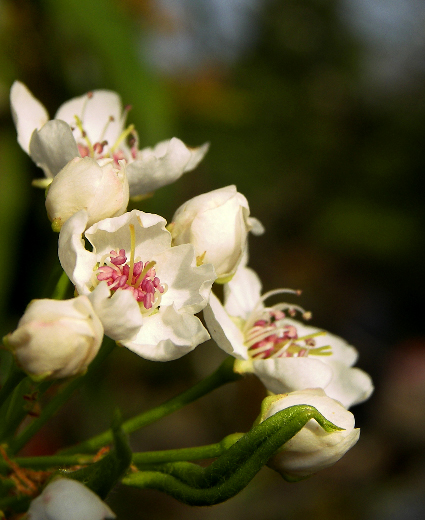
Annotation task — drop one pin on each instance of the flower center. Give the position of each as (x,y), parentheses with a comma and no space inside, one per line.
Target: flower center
(136,276)
(268,334)
(101,149)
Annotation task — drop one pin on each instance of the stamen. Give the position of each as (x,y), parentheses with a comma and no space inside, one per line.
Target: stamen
(84,135)
(110,120)
(121,138)
(124,114)
(147,267)
(132,249)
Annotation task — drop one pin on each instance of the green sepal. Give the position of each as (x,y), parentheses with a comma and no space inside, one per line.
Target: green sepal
(103,475)
(235,468)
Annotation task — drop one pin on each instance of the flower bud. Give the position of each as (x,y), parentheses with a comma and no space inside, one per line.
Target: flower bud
(67,499)
(312,448)
(217,225)
(56,339)
(96,186)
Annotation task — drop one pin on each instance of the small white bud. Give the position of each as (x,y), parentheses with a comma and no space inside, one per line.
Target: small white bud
(96,186)
(67,499)
(312,448)
(56,339)
(217,225)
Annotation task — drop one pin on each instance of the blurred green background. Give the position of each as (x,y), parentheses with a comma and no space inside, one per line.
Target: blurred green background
(315,110)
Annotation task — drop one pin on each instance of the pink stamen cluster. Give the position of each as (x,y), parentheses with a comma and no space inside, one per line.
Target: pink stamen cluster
(99,150)
(143,284)
(270,338)
(100,153)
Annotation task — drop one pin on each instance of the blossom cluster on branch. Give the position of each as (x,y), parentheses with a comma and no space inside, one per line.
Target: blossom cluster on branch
(142,282)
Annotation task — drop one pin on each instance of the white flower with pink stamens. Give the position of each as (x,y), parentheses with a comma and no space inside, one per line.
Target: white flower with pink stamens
(144,291)
(93,125)
(284,353)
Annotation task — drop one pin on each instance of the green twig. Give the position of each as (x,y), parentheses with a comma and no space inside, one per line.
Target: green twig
(224,374)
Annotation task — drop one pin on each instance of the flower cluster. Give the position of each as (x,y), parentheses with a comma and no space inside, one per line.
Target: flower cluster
(143,282)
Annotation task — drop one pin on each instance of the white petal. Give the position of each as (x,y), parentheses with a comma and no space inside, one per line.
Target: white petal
(189,286)
(220,233)
(283,375)
(75,260)
(67,499)
(349,386)
(197,154)
(162,165)
(52,147)
(27,112)
(120,314)
(168,335)
(256,227)
(223,331)
(114,233)
(242,293)
(95,113)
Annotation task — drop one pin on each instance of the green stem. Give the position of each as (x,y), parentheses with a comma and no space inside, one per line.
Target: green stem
(151,457)
(14,378)
(64,394)
(224,374)
(209,451)
(59,292)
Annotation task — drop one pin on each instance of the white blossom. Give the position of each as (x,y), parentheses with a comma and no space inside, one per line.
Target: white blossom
(217,225)
(56,339)
(312,448)
(145,291)
(96,186)
(284,353)
(93,125)
(67,499)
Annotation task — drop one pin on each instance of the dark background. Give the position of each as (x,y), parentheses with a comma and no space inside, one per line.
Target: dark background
(315,110)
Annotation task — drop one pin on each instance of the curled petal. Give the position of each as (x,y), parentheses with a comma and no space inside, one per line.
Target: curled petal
(52,147)
(281,375)
(349,386)
(242,293)
(162,165)
(119,313)
(189,286)
(168,335)
(75,260)
(27,112)
(97,110)
(223,330)
(151,237)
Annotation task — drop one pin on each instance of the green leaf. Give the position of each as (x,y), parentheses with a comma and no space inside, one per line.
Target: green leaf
(233,470)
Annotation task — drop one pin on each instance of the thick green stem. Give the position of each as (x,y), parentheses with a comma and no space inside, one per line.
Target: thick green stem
(224,374)
(56,403)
